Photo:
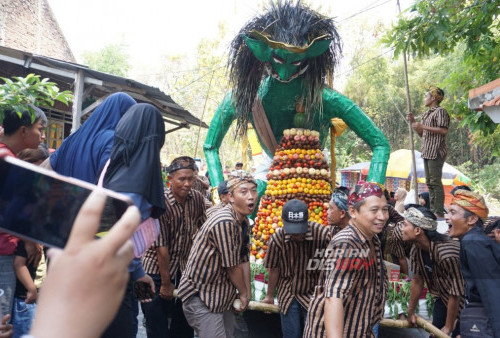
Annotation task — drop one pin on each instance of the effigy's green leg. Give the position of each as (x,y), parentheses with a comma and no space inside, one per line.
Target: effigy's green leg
(218,128)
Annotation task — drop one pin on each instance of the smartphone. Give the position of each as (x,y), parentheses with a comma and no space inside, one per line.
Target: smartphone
(40,205)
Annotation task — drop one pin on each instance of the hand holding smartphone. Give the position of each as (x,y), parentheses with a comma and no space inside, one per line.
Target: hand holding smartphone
(41,205)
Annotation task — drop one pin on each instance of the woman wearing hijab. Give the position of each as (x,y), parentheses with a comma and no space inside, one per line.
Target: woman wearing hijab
(135,170)
(423,199)
(83,154)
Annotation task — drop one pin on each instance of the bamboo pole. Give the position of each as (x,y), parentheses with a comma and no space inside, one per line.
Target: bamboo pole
(402,324)
(421,323)
(408,108)
(257,306)
(333,169)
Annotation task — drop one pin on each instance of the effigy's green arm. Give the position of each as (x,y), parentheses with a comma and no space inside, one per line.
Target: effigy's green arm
(337,105)
(224,116)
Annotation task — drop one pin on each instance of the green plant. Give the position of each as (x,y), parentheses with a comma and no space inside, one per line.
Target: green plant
(398,296)
(263,293)
(20,93)
(429,302)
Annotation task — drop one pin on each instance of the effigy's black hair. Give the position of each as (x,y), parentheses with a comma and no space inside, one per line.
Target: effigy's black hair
(293,24)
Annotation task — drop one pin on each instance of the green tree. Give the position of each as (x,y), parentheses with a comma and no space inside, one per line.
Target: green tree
(20,93)
(198,83)
(112,59)
(469,31)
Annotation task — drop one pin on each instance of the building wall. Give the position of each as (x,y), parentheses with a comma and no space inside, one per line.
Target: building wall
(30,26)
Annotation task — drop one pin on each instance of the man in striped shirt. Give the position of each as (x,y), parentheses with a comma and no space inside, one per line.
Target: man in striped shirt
(434,260)
(338,212)
(350,301)
(218,264)
(292,256)
(166,259)
(432,130)
(479,263)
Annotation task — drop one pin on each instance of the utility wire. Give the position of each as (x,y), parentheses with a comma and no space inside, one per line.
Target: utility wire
(364,10)
(365,62)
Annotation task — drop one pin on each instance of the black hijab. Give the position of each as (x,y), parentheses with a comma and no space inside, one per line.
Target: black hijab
(135,158)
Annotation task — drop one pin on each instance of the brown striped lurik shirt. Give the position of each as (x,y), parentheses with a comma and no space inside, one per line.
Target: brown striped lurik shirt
(178,226)
(334,229)
(434,144)
(214,209)
(444,277)
(357,277)
(217,246)
(292,260)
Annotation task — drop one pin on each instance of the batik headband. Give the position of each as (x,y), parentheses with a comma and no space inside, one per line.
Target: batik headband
(340,200)
(235,181)
(437,93)
(417,218)
(364,191)
(180,163)
(472,202)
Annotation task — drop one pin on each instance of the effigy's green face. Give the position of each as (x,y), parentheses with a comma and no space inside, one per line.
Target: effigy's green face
(286,62)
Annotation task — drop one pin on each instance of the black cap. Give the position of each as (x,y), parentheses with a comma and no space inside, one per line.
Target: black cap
(295,215)
(222,188)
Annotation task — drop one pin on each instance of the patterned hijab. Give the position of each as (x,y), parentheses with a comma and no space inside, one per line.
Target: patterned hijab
(472,202)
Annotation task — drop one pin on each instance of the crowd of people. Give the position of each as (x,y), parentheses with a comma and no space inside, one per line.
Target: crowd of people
(199,263)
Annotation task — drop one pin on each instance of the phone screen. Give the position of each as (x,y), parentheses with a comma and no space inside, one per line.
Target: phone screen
(42,206)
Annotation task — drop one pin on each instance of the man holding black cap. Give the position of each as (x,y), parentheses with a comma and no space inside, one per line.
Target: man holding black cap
(288,259)
(434,260)
(224,199)
(166,259)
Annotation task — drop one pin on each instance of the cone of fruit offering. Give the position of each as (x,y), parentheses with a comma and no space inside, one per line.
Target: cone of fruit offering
(299,170)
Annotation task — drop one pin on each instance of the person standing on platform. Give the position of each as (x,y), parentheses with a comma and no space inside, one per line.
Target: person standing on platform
(433,130)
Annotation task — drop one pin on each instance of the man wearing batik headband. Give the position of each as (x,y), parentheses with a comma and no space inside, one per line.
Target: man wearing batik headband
(350,301)
(433,130)
(434,260)
(480,262)
(338,212)
(166,259)
(218,265)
